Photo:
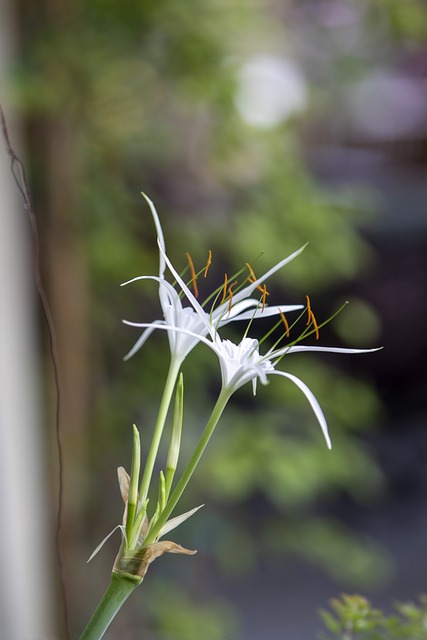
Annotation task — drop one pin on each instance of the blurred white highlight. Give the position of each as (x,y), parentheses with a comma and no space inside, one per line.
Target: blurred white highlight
(270,90)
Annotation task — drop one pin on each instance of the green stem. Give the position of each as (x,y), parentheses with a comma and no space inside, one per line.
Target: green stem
(217,411)
(121,586)
(133,484)
(158,429)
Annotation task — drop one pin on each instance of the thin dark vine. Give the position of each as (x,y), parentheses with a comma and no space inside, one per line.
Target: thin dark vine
(18,173)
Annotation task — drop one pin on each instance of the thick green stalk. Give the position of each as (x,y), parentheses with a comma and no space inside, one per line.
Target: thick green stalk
(217,411)
(158,429)
(121,586)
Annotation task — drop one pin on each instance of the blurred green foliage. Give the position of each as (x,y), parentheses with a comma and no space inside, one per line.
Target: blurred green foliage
(354,618)
(147,90)
(175,615)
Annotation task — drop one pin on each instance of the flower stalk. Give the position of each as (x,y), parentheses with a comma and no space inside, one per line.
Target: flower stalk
(216,414)
(158,429)
(119,590)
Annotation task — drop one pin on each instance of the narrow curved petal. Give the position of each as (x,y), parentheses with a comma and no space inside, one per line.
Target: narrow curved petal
(156,278)
(196,305)
(313,403)
(142,338)
(168,327)
(299,349)
(241,302)
(224,309)
(247,291)
(160,238)
(268,311)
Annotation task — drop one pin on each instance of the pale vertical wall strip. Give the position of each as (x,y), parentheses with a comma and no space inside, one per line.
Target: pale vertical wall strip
(26,545)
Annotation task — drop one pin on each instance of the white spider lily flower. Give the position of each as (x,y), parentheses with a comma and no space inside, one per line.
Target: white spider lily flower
(242,363)
(196,319)
(174,315)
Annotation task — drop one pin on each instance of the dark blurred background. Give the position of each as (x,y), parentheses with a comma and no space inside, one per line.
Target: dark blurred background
(254,127)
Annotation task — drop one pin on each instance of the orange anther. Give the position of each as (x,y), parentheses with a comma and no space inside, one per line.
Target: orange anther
(230,293)
(208,263)
(308,308)
(224,288)
(311,318)
(264,295)
(316,328)
(252,276)
(285,322)
(193,274)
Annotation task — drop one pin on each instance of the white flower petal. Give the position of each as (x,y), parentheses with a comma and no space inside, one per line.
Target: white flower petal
(196,305)
(168,327)
(124,284)
(156,278)
(299,349)
(268,311)
(160,238)
(142,339)
(197,321)
(313,402)
(247,291)
(229,313)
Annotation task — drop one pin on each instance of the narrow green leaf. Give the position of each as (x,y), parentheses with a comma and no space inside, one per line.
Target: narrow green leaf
(175,443)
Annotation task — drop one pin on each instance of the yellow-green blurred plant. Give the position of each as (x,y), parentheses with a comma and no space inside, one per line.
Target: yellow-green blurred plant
(354,618)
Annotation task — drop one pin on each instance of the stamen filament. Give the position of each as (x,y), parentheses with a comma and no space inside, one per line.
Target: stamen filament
(305,333)
(341,308)
(220,289)
(252,278)
(278,323)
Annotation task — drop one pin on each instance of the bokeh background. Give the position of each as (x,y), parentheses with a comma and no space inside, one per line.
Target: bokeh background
(255,127)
